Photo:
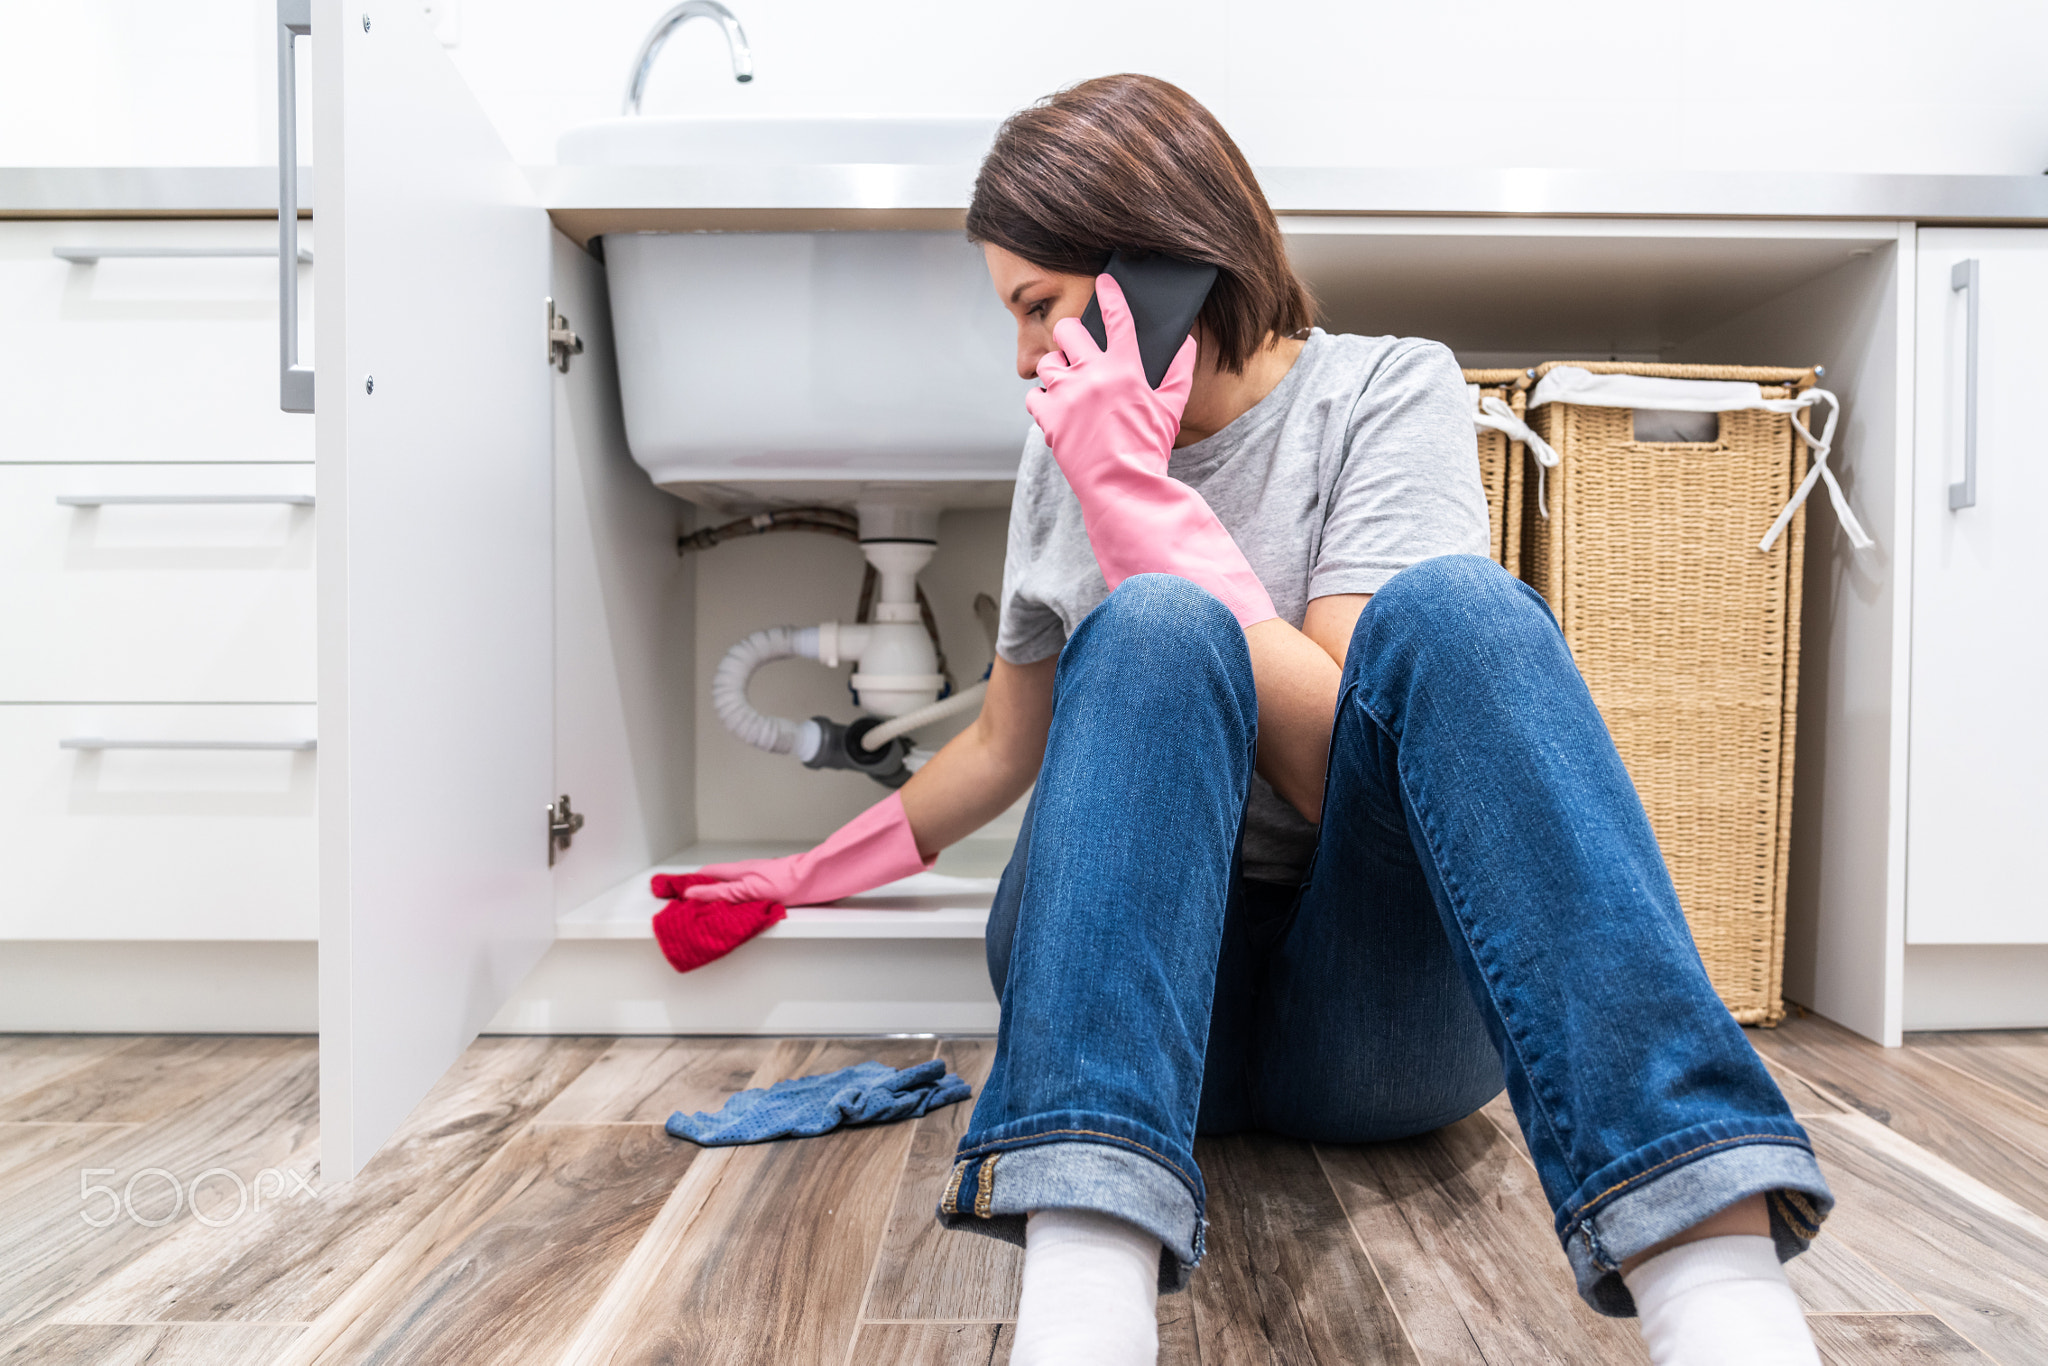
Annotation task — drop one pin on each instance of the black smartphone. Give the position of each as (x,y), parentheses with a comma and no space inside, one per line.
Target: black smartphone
(1166,296)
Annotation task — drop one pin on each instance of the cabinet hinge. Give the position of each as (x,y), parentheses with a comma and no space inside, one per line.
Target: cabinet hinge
(563,824)
(562,343)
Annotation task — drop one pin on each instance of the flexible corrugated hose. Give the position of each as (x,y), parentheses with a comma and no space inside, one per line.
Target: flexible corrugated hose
(775,734)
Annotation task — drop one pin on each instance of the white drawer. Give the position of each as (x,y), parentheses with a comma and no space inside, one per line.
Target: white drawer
(122,843)
(152,601)
(146,358)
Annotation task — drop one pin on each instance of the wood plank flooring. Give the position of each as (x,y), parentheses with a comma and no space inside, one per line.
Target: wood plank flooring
(532,1210)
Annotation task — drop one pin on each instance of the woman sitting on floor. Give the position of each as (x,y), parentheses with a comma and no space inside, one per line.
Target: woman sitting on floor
(1328,838)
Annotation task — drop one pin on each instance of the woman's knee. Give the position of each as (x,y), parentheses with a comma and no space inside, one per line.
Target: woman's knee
(1161,628)
(1157,604)
(1161,669)
(1454,598)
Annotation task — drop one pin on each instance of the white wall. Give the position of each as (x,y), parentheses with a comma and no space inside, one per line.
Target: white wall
(138,83)
(1882,85)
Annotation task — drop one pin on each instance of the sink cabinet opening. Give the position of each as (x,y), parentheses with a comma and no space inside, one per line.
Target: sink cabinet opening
(640,629)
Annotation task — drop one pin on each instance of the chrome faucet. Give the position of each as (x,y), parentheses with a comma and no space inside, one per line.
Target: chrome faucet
(735,42)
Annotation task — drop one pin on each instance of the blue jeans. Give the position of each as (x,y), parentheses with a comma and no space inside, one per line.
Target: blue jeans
(1486,906)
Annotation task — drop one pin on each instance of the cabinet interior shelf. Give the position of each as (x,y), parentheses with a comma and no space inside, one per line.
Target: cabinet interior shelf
(953,904)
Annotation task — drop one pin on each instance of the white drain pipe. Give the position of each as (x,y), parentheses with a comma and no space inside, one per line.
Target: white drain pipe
(775,734)
(895,665)
(925,716)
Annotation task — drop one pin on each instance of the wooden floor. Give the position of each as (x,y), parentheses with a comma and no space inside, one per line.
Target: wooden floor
(533,1211)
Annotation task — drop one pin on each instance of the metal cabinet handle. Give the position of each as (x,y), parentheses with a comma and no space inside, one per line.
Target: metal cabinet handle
(295,381)
(1964,277)
(97,500)
(94,742)
(88,256)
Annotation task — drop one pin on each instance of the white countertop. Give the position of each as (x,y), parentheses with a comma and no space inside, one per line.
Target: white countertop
(939,190)
(145,191)
(624,197)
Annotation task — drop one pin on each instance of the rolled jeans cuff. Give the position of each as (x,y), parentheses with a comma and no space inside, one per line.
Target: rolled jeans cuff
(1654,1207)
(992,1190)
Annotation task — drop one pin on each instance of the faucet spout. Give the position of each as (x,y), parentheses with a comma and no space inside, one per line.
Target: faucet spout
(650,46)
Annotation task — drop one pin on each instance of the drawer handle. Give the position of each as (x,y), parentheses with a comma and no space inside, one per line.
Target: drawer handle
(1964,277)
(99,500)
(295,381)
(94,742)
(90,256)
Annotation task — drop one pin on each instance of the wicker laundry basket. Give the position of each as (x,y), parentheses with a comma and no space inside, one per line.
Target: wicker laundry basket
(1500,466)
(1688,636)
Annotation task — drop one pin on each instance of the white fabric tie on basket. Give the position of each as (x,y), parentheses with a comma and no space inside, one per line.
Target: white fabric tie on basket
(1491,413)
(1570,384)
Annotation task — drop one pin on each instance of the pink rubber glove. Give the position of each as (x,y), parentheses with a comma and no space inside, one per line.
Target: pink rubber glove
(1112,434)
(873,848)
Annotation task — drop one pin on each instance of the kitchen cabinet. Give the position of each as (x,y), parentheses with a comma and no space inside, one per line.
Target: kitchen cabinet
(1979,750)
(434,397)
(157,555)
(433,442)
(501,617)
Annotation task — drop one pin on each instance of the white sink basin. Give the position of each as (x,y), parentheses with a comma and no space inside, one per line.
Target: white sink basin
(791,141)
(779,367)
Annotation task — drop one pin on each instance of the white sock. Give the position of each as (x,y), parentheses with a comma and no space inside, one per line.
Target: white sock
(1720,1302)
(1091,1292)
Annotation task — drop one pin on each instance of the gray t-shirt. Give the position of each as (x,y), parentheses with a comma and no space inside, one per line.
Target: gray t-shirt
(1361,462)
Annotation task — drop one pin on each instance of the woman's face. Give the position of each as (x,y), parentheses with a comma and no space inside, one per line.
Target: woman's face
(1037,298)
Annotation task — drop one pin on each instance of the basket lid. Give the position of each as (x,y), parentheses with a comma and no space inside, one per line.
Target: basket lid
(1620,389)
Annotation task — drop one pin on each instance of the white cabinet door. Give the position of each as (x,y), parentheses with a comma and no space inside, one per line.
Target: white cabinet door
(154,823)
(156,583)
(1979,752)
(433,458)
(150,352)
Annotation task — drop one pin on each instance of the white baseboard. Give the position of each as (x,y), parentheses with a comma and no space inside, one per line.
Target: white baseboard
(767,986)
(770,986)
(588,986)
(159,987)
(1976,986)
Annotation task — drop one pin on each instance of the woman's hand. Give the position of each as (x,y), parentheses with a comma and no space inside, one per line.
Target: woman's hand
(1112,434)
(875,847)
(968,783)
(1095,401)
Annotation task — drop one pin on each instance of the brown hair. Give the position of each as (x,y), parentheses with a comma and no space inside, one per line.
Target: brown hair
(1133,162)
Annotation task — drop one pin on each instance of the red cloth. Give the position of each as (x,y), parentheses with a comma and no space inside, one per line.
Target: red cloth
(693,933)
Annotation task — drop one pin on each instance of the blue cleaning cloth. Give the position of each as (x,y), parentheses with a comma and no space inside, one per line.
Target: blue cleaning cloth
(804,1107)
